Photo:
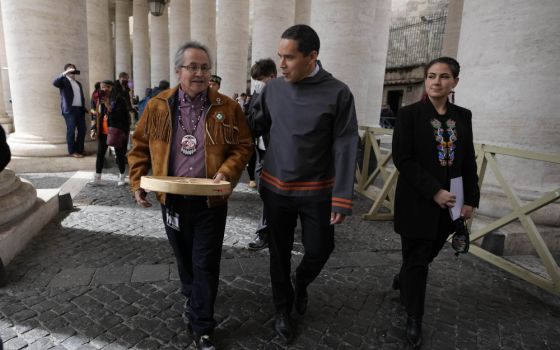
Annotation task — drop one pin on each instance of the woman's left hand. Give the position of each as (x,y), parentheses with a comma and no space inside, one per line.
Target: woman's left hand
(467,212)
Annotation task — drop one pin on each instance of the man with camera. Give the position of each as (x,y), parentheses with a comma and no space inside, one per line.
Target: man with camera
(72,105)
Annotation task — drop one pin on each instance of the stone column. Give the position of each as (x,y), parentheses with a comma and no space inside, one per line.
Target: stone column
(344,53)
(159,48)
(509,79)
(452,28)
(34,51)
(122,37)
(203,24)
(378,59)
(99,41)
(6,119)
(233,36)
(140,48)
(179,30)
(303,12)
(270,19)
(16,196)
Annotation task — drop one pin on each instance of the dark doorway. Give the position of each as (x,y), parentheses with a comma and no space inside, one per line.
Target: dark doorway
(394,99)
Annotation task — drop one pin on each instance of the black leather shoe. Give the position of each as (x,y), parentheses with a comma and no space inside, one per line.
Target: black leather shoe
(414,331)
(300,298)
(260,241)
(396,282)
(284,326)
(204,342)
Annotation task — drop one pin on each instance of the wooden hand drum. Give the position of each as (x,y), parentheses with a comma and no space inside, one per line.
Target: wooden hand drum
(185,185)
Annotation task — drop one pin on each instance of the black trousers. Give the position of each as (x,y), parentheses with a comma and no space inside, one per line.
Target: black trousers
(417,254)
(198,249)
(317,238)
(102,149)
(251,166)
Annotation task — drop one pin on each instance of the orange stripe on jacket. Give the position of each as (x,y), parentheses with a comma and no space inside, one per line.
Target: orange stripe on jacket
(300,186)
(342,200)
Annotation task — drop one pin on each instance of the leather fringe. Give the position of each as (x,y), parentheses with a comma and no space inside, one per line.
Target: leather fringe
(158,126)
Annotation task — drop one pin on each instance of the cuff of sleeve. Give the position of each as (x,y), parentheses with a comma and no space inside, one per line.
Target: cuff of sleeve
(342,205)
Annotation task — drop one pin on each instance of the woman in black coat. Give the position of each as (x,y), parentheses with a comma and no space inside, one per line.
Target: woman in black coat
(432,143)
(111,112)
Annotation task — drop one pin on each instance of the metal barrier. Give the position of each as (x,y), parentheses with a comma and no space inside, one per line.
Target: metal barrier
(486,158)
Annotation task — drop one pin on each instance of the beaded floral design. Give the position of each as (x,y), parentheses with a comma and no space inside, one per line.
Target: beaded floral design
(445,138)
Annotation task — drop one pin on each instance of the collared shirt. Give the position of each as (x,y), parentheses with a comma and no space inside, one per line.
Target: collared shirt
(315,71)
(189,111)
(77,101)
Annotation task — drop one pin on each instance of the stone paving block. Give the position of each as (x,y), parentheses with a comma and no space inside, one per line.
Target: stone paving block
(150,273)
(111,275)
(72,277)
(230,267)
(173,272)
(15,344)
(253,266)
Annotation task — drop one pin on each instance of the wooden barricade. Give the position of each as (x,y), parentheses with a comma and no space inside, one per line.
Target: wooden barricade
(486,158)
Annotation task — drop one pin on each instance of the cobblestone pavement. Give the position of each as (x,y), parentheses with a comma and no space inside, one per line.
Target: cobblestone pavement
(103,277)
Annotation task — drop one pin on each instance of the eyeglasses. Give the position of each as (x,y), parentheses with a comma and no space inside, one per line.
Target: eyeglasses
(193,68)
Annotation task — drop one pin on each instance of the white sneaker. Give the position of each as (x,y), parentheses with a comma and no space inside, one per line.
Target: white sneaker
(121,181)
(96,180)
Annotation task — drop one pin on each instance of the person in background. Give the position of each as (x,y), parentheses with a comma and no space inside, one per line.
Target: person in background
(194,131)
(432,143)
(73,107)
(111,111)
(163,85)
(215,82)
(262,72)
(5,154)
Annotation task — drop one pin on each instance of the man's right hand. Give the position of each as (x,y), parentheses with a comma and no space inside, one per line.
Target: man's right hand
(69,70)
(140,197)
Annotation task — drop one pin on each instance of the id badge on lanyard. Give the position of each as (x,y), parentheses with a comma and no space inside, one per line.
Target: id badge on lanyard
(172,219)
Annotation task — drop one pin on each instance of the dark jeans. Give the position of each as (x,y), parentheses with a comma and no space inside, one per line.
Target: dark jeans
(75,120)
(198,250)
(417,254)
(102,149)
(317,238)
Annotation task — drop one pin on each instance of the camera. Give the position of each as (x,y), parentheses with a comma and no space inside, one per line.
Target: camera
(77,72)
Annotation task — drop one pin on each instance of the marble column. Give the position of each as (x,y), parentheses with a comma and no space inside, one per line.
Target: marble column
(99,41)
(16,196)
(345,48)
(452,28)
(159,48)
(378,59)
(122,37)
(179,30)
(233,36)
(509,54)
(203,24)
(303,12)
(270,19)
(140,47)
(6,119)
(33,51)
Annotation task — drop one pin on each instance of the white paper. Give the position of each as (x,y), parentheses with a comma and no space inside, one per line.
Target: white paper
(457,189)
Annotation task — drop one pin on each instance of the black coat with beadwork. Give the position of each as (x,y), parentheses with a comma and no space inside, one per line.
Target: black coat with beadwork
(426,164)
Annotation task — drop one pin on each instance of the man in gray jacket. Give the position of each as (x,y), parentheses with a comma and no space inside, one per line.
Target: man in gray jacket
(309,166)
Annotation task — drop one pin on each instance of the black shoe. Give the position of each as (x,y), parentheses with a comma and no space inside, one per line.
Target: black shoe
(260,241)
(300,298)
(414,331)
(204,342)
(284,327)
(396,282)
